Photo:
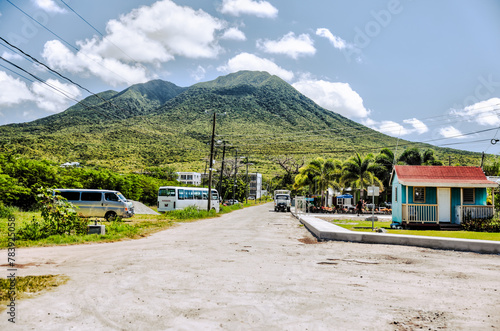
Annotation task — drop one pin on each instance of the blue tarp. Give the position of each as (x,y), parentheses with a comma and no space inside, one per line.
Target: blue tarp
(344,196)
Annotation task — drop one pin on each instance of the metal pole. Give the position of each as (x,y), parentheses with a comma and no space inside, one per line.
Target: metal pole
(210,167)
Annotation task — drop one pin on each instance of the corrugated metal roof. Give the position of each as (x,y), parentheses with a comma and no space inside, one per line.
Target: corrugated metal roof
(442,176)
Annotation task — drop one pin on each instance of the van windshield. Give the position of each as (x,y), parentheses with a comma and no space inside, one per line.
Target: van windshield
(282,197)
(121,197)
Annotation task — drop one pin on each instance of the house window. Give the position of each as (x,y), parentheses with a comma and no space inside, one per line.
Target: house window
(419,194)
(396,194)
(468,194)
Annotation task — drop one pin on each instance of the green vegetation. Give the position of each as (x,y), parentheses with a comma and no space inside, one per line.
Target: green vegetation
(158,124)
(366,226)
(28,286)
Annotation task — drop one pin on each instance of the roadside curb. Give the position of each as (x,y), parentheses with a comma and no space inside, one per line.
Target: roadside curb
(324,230)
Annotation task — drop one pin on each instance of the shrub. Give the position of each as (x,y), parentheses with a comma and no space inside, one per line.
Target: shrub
(191,212)
(6,212)
(481,225)
(59,218)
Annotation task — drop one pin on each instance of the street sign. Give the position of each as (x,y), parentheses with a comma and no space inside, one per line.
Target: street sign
(373,191)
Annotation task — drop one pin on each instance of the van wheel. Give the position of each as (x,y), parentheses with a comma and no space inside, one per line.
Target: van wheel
(110,216)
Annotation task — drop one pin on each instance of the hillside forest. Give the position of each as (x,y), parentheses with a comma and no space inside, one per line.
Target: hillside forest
(21,178)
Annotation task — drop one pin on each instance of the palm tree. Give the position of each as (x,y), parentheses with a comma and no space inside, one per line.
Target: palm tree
(360,173)
(321,174)
(385,161)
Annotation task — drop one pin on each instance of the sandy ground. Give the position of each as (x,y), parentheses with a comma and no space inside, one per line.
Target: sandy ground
(255,269)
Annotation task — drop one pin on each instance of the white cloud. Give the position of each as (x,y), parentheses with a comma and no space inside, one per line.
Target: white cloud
(234,34)
(198,74)
(150,34)
(246,61)
(49,6)
(395,129)
(249,7)
(337,97)
(337,42)
(289,45)
(483,113)
(451,132)
(391,128)
(110,70)
(14,91)
(11,56)
(52,101)
(418,126)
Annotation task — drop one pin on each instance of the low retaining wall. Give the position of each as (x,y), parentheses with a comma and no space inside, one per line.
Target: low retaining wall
(327,231)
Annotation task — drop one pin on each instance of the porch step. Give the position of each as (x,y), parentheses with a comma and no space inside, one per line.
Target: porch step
(450,227)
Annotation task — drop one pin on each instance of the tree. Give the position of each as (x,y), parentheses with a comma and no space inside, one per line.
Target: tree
(385,161)
(321,173)
(359,173)
(412,156)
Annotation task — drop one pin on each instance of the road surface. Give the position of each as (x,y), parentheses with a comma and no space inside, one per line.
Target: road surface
(255,269)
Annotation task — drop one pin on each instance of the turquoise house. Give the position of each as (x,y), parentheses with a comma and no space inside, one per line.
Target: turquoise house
(439,194)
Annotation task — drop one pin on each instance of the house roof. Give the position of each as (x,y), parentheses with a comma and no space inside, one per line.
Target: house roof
(442,176)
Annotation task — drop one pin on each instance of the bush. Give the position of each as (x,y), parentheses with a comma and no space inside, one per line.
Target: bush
(191,212)
(481,225)
(6,212)
(59,218)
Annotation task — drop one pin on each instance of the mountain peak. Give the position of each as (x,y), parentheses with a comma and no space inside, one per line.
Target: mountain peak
(244,77)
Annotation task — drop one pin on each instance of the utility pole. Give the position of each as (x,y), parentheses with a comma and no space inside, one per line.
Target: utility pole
(222,168)
(248,185)
(235,172)
(210,167)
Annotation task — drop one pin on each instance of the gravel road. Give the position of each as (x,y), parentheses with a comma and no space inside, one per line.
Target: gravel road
(255,269)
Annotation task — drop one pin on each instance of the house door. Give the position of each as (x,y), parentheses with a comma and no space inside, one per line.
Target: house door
(444,203)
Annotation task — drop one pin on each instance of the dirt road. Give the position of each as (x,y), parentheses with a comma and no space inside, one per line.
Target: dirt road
(259,270)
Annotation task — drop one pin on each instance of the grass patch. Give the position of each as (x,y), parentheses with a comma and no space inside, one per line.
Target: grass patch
(132,228)
(28,286)
(365,226)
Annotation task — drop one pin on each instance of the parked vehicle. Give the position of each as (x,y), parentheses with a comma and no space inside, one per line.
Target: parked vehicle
(231,202)
(98,203)
(282,200)
(175,198)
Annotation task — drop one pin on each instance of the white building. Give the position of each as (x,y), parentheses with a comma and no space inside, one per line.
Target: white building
(255,185)
(191,178)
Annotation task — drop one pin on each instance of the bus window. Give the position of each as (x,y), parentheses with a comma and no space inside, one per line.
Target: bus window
(189,194)
(205,195)
(197,195)
(180,194)
(166,192)
(215,196)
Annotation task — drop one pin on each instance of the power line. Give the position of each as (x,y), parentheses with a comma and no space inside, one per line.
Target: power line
(96,30)
(67,43)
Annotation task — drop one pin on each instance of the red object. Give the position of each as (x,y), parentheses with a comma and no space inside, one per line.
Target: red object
(442,176)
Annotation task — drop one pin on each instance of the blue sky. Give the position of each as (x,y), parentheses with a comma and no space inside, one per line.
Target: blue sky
(420,70)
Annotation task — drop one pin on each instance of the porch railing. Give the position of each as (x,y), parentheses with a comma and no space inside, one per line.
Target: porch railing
(474,212)
(422,213)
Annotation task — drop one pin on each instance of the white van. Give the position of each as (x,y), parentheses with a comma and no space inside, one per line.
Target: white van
(98,203)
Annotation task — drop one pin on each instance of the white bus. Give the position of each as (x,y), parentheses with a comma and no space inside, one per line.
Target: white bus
(175,198)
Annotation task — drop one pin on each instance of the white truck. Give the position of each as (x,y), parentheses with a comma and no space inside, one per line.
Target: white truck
(282,200)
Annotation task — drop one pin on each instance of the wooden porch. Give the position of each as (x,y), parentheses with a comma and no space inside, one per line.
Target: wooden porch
(427,215)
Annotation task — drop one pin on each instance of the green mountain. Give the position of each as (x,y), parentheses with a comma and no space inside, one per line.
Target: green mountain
(158,123)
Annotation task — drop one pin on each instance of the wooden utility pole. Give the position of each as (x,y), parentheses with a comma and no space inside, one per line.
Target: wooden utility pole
(222,168)
(210,167)
(235,172)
